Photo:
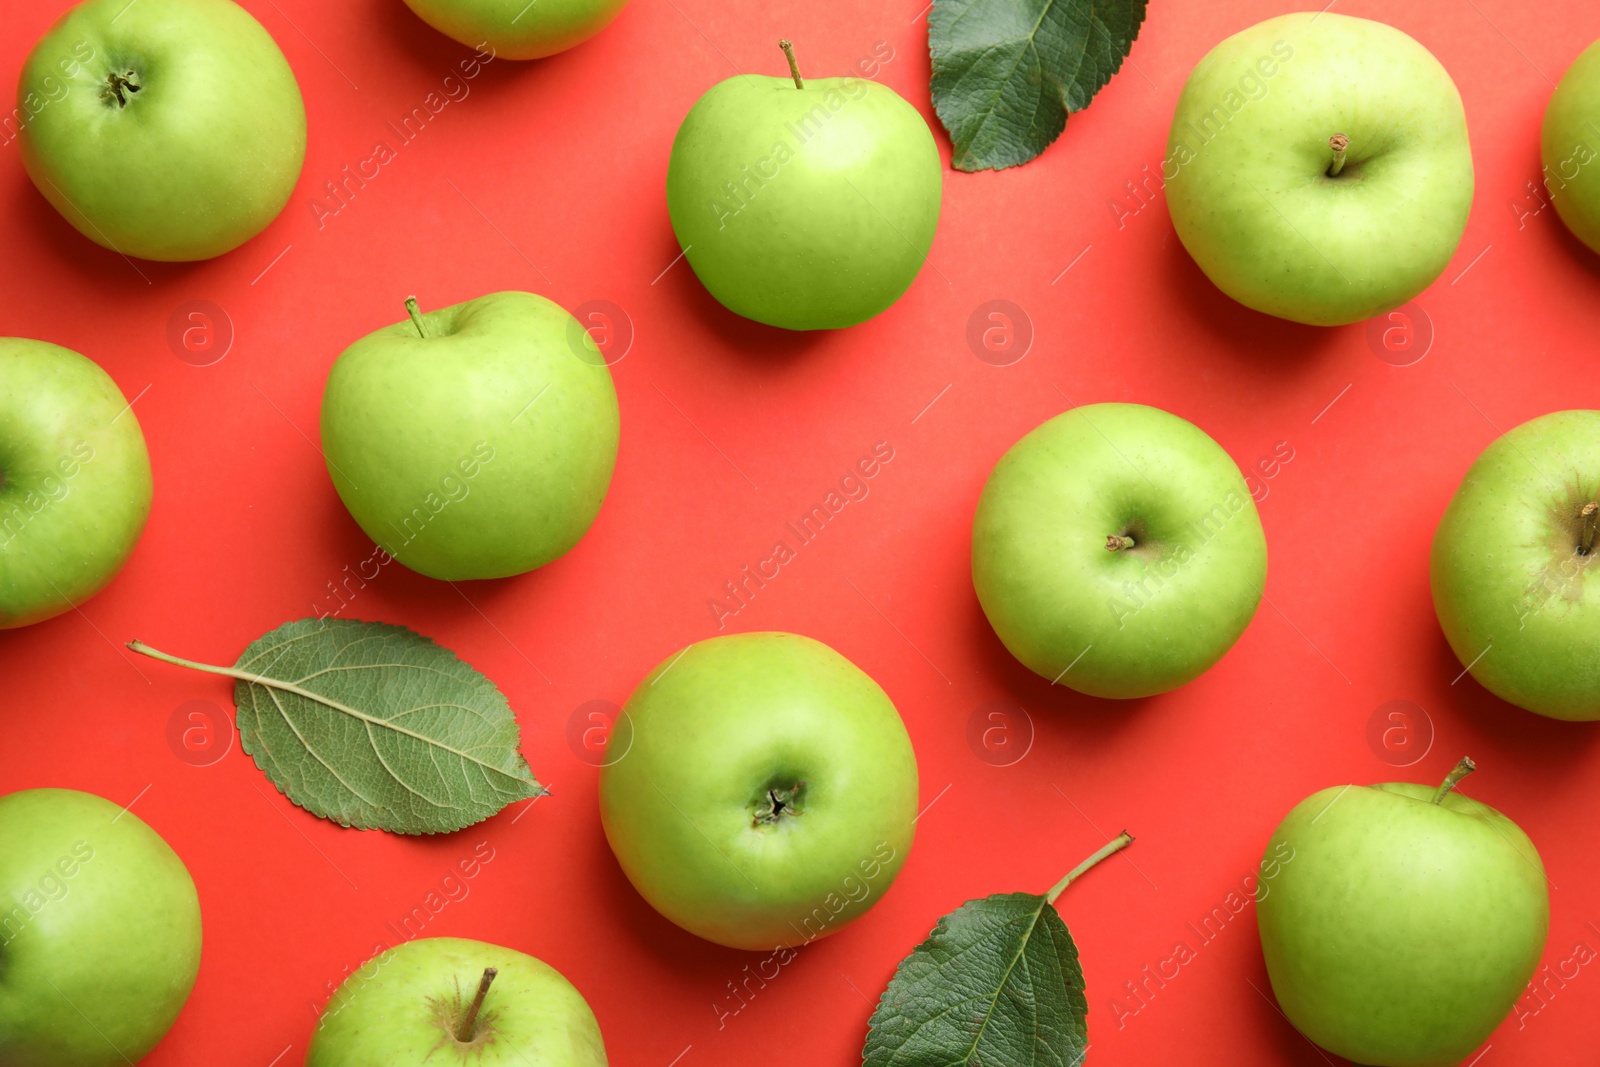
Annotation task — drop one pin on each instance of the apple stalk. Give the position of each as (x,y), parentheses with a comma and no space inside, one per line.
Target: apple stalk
(416,317)
(470,1019)
(1116,844)
(794,66)
(1591,512)
(1339,143)
(1458,772)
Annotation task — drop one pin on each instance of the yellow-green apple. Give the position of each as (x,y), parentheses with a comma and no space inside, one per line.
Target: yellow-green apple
(1116,551)
(476,441)
(99,932)
(1406,922)
(1569,141)
(74,480)
(163,129)
(769,793)
(447,1000)
(808,205)
(1510,566)
(518,29)
(1318,167)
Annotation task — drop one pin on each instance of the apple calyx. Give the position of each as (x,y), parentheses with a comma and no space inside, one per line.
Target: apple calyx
(469,1022)
(1118,543)
(778,803)
(1116,844)
(416,317)
(119,83)
(1339,143)
(794,67)
(1458,772)
(1590,514)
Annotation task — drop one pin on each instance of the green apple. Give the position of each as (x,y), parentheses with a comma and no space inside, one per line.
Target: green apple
(809,208)
(99,932)
(1509,563)
(769,794)
(1405,923)
(163,129)
(476,441)
(1568,143)
(518,29)
(1318,167)
(74,480)
(447,1000)
(1116,551)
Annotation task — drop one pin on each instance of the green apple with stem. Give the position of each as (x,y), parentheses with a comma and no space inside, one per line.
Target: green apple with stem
(99,932)
(1510,561)
(1116,550)
(1405,923)
(74,480)
(476,441)
(448,1000)
(1318,167)
(518,29)
(1569,143)
(162,129)
(805,204)
(768,792)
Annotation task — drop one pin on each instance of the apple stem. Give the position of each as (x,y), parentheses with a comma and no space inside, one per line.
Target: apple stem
(794,66)
(470,1019)
(1590,512)
(416,317)
(1118,543)
(1460,771)
(1338,142)
(1116,844)
(117,84)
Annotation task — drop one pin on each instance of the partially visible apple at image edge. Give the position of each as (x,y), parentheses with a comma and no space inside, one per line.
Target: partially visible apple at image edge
(144,136)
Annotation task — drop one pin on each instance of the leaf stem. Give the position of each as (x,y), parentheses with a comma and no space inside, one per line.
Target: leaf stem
(794,65)
(416,317)
(1460,771)
(1116,844)
(145,650)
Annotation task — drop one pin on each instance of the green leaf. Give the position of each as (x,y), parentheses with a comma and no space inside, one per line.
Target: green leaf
(1006,72)
(997,984)
(374,726)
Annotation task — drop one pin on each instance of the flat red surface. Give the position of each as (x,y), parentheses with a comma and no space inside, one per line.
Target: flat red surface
(549,177)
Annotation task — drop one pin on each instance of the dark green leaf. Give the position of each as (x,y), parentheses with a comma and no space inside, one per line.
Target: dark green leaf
(1006,72)
(375,726)
(997,984)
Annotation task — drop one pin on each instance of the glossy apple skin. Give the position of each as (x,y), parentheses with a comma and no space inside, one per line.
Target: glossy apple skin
(1253,203)
(481,451)
(840,195)
(1129,623)
(99,932)
(1401,932)
(402,1006)
(199,161)
(517,29)
(1570,147)
(716,727)
(1507,571)
(75,482)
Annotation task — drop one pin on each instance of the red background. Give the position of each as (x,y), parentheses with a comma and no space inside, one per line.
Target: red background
(549,177)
